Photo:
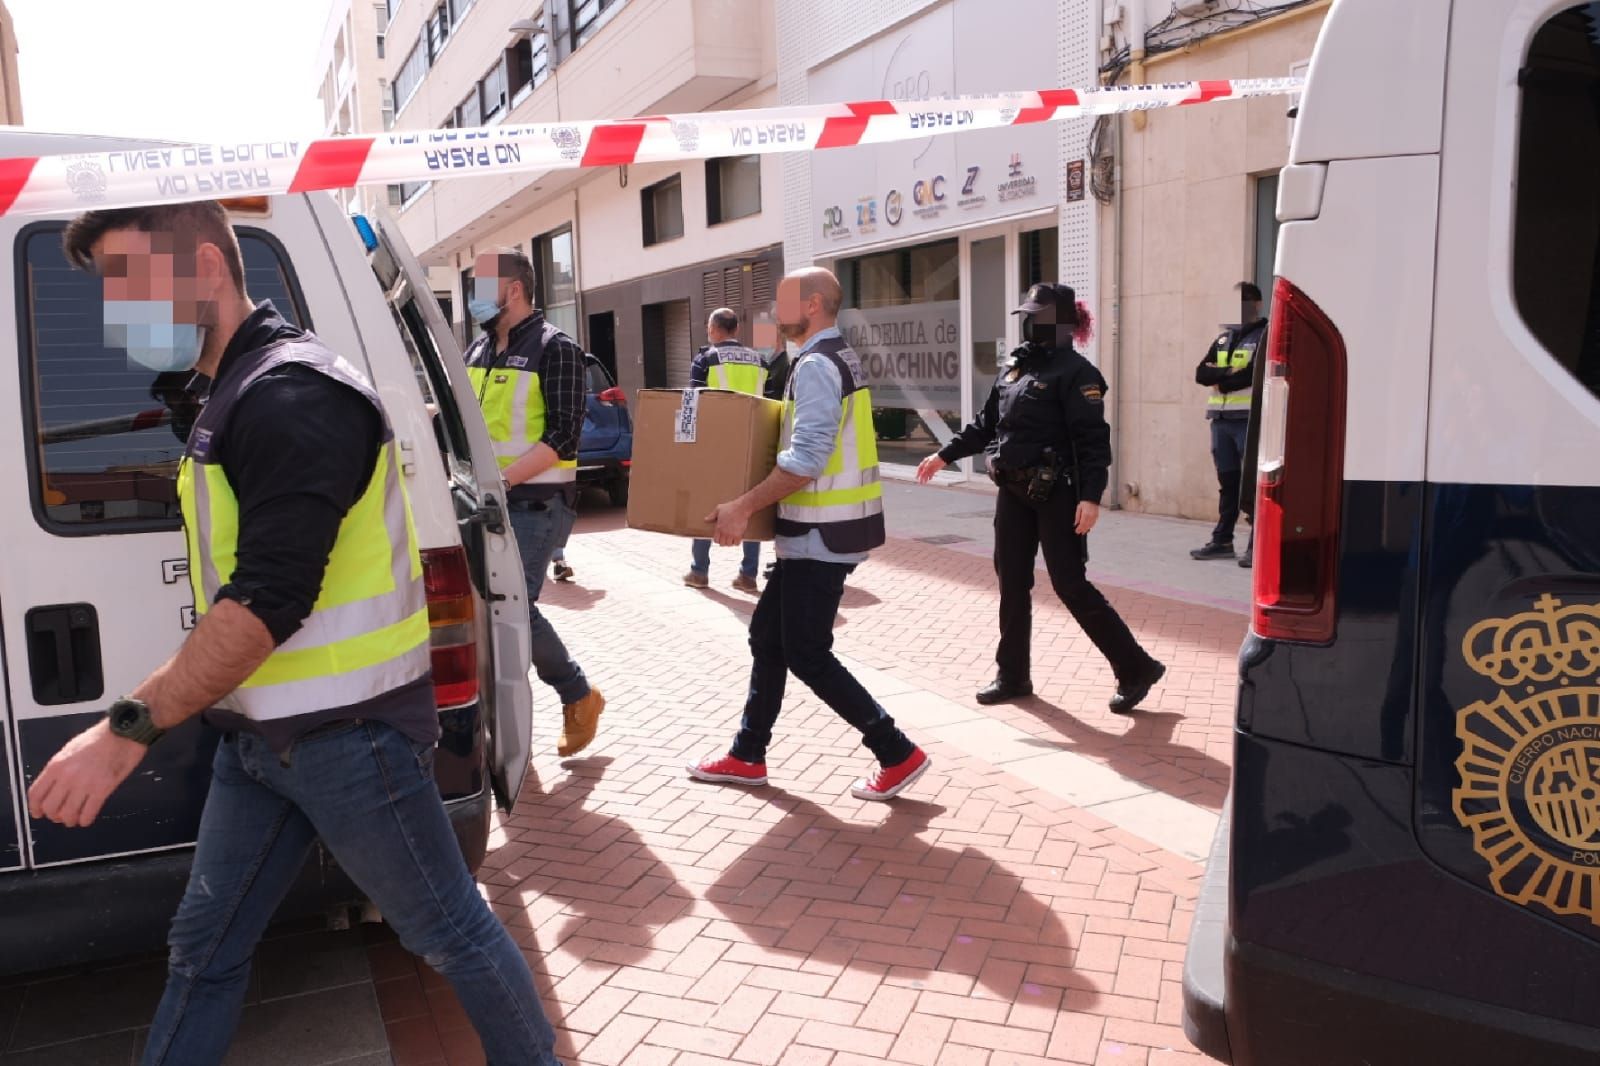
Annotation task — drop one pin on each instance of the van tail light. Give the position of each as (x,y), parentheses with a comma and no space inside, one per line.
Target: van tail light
(452,608)
(614,396)
(1301,472)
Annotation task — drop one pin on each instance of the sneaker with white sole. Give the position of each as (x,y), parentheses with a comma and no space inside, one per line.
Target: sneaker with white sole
(890,781)
(729,771)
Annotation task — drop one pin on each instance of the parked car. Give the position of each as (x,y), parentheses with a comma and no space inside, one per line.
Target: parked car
(94,591)
(605,454)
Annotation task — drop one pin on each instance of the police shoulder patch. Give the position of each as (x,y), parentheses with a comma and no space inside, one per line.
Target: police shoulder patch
(1092,392)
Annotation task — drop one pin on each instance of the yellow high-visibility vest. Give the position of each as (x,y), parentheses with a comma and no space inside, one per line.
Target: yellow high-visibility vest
(513,406)
(368,631)
(845,502)
(737,369)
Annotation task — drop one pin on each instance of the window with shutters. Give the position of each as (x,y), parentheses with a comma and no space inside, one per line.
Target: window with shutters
(409,80)
(437,31)
(733,188)
(661,206)
(493,89)
(761,283)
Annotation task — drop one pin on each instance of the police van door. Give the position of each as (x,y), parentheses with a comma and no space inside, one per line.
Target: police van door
(479,492)
(94,590)
(1508,753)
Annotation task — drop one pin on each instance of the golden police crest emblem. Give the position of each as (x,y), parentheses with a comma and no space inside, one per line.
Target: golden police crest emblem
(1528,777)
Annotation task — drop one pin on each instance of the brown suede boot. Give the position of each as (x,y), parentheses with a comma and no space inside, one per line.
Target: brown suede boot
(579,722)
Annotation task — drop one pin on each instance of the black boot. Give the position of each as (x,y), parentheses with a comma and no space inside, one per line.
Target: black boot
(1247,559)
(1132,690)
(1214,550)
(1003,691)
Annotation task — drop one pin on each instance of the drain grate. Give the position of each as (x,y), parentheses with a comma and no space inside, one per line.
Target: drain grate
(944,538)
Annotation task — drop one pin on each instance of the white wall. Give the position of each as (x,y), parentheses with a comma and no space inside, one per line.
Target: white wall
(1188,238)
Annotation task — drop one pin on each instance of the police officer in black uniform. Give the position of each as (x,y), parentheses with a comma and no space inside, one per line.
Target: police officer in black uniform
(1043,429)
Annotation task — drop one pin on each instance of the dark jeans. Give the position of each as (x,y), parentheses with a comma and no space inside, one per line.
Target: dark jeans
(542,528)
(368,793)
(792,631)
(1228,437)
(1021,528)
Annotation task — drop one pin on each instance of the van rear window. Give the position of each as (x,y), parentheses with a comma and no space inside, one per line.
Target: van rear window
(108,434)
(1557,251)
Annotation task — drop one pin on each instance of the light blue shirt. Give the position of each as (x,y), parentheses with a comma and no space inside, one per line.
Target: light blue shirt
(818,405)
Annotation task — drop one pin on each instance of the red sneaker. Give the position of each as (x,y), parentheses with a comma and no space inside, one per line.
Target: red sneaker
(890,781)
(729,770)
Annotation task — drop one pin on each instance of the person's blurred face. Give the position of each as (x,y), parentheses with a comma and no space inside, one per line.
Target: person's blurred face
(487,301)
(159,296)
(795,313)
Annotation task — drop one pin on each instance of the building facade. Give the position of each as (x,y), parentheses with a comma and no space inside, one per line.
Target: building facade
(349,72)
(1191,212)
(10,85)
(630,260)
(935,240)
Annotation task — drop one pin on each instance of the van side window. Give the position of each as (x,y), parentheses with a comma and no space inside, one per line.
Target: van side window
(108,434)
(1557,237)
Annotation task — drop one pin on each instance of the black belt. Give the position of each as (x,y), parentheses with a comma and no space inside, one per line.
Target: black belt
(1003,476)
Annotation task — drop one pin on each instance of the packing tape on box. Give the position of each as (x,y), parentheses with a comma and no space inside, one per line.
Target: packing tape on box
(178,172)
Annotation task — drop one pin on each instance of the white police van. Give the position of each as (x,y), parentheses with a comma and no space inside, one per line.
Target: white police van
(1410,868)
(94,590)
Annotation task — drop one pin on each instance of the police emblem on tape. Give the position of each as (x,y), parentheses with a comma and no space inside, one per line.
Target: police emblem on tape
(86,180)
(688,136)
(568,140)
(1529,771)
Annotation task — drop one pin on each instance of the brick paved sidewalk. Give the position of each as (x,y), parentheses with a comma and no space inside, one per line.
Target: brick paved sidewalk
(982,920)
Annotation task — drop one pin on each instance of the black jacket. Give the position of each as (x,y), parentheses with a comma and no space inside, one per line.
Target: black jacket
(1252,338)
(1043,398)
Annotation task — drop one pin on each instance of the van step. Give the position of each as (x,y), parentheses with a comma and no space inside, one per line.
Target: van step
(1205,1019)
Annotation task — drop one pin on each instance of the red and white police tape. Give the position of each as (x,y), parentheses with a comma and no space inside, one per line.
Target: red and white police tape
(173,173)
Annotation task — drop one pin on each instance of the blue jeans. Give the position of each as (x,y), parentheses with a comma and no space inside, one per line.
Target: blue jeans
(792,631)
(368,793)
(541,529)
(700,556)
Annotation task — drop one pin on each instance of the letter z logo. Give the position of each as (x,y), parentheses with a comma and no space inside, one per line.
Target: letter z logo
(972,181)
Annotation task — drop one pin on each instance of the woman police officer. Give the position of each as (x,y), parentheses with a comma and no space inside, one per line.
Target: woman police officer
(1044,431)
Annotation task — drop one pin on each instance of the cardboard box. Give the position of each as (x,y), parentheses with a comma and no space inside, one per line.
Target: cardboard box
(694,449)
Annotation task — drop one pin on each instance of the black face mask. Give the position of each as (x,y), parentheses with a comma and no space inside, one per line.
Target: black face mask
(1041,331)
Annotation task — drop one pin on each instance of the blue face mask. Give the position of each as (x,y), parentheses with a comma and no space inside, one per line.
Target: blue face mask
(145,328)
(483,306)
(483,312)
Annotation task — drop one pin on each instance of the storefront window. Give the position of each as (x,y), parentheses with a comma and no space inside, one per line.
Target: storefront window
(902,314)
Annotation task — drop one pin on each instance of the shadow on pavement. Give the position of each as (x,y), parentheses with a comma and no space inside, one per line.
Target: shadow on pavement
(854,893)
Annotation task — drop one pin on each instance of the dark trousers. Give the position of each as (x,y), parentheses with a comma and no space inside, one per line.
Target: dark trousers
(1021,528)
(1228,437)
(792,632)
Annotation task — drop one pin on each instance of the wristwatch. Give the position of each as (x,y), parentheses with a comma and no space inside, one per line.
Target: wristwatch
(130,718)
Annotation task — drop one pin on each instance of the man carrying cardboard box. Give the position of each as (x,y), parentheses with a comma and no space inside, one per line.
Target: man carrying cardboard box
(830,515)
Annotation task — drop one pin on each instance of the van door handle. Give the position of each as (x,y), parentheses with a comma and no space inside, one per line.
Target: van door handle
(64,654)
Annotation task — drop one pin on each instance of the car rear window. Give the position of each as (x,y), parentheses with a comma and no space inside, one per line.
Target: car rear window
(107,434)
(1557,237)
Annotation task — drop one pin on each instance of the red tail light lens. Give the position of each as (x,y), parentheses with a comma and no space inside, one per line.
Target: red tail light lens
(614,395)
(1301,472)
(452,608)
